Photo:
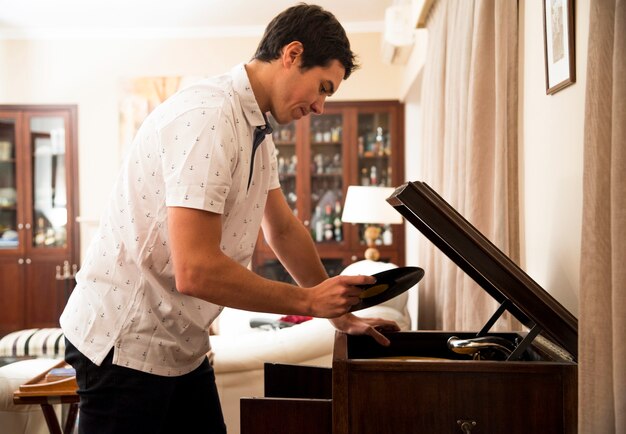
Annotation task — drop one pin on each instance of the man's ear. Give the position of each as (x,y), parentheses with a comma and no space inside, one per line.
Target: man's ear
(291,53)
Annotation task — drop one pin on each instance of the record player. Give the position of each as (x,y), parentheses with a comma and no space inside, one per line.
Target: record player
(443,381)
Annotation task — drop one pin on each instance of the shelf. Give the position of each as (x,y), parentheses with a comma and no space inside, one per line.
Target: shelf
(48,154)
(327,175)
(334,144)
(373,157)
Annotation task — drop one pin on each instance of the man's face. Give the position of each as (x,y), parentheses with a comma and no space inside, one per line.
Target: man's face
(303,92)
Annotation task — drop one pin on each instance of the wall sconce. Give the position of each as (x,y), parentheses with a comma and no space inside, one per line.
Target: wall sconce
(399,33)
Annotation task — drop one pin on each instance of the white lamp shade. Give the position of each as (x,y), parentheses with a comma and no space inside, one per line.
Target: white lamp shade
(368,204)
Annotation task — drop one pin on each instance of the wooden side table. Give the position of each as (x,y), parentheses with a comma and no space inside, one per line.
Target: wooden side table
(47,390)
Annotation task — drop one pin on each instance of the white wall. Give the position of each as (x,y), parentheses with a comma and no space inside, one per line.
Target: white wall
(551,140)
(87,72)
(3,70)
(551,158)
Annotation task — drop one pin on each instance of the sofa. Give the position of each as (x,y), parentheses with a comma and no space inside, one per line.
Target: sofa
(239,352)
(24,354)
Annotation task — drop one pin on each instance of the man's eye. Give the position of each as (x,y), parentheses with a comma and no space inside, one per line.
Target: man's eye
(323,89)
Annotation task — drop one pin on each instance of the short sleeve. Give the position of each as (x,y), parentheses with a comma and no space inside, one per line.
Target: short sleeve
(198,154)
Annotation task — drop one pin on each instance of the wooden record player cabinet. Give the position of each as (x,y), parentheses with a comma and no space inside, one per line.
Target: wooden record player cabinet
(374,394)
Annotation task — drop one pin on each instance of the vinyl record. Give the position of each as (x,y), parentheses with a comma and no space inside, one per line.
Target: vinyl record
(389,284)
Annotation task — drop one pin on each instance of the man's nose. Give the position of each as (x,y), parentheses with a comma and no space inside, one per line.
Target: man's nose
(318,106)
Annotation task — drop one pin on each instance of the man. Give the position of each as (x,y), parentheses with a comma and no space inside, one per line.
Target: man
(172,249)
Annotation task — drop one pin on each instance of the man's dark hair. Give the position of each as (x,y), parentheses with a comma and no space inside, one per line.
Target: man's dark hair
(322,36)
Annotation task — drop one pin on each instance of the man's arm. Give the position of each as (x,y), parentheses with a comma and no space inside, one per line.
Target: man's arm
(291,241)
(295,249)
(202,270)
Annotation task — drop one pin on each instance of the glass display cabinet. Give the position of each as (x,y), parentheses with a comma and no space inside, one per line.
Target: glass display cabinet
(319,156)
(38,206)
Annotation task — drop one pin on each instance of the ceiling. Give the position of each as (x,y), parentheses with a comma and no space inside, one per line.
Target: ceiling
(41,18)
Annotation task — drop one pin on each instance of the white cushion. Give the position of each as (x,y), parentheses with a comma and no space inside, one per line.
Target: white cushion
(45,342)
(22,419)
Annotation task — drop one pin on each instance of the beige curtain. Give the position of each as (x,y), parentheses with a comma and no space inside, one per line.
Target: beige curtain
(602,326)
(469,154)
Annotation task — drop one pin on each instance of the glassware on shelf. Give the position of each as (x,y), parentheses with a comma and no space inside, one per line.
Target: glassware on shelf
(283,134)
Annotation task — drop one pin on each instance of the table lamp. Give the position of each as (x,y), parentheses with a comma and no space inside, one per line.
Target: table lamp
(368,205)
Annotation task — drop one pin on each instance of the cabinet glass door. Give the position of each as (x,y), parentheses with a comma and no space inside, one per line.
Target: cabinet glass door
(326,178)
(374,144)
(49,190)
(8,186)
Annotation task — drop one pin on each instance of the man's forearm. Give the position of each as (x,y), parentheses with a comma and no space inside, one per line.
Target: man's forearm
(296,251)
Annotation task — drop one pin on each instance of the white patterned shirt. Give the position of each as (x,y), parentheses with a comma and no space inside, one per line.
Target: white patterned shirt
(194,151)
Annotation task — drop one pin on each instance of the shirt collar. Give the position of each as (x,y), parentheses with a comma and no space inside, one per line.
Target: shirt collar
(249,105)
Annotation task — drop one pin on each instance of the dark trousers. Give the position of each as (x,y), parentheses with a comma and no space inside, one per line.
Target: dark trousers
(118,400)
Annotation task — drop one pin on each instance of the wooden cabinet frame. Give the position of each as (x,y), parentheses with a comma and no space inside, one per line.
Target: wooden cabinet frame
(30,292)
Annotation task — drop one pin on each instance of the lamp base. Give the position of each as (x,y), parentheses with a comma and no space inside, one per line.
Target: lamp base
(371,234)
(372,254)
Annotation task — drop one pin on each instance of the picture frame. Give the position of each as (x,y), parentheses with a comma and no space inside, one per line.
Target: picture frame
(559,46)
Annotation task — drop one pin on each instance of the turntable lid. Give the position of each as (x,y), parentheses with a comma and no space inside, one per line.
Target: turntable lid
(485,263)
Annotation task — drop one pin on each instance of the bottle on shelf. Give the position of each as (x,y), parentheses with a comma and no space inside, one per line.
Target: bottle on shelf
(317,225)
(379,145)
(316,131)
(328,224)
(338,230)
(373,176)
(336,131)
(365,179)
(327,136)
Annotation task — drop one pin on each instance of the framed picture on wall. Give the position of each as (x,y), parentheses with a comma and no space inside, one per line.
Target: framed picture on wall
(558,36)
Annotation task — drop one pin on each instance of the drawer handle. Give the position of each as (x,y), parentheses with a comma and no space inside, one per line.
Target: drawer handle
(466,425)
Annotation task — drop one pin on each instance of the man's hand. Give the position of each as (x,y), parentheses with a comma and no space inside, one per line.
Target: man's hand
(355,325)
(336,295)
